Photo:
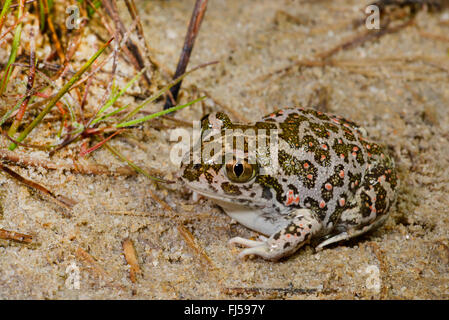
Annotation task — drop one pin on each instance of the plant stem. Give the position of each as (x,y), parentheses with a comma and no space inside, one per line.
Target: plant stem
(14,47)
(59,95)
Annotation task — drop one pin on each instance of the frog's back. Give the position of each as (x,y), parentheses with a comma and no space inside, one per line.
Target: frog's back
(328,165)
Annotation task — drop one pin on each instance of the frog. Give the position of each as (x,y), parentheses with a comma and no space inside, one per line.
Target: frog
(320,180)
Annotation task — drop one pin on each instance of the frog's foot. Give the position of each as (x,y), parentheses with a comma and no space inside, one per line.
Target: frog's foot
(346,235)
(284,242)
(258,248)
(351,233)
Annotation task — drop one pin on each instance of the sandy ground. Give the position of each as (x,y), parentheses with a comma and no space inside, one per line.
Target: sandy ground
(397,87)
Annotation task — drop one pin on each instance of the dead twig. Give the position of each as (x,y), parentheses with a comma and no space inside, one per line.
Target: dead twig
(135,54)
(62,201)
(75,166)
(131,258)
(191,243)
(96,269)
(2,37)
(99,144)
(26,145)
(30,84)
(54,35)
(140,34)
(364,37)
(90,261)
(194,27)
(15,236)
(161,202)
(273,292)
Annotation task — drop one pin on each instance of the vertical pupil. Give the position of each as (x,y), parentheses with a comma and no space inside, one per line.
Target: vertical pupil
(238,169)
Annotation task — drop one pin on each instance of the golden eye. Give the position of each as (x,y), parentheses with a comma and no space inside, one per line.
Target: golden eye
(240,171)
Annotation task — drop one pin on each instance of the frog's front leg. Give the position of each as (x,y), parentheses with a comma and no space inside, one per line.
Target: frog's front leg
(284,242)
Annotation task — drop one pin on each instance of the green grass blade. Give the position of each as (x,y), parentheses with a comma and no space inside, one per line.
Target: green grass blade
(5,10)
(118,95)
(59,95)
(157,114)
(162,91)
(41,15)
(9,112)
(13,54)
(111,113)
(17,106)
(130,163)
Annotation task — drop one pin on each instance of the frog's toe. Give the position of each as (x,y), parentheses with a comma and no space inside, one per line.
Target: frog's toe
(337,238)
(258,248)
(245,242)
(261,250)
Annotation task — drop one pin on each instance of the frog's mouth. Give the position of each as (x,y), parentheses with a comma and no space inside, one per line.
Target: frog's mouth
(209,194)
(223,198)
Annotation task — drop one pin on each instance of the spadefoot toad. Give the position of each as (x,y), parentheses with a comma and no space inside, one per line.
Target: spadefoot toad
(325,181)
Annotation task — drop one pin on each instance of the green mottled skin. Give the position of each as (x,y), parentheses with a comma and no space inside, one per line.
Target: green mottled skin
(343,183)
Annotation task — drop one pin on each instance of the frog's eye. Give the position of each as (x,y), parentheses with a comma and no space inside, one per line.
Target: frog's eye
(240,171)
